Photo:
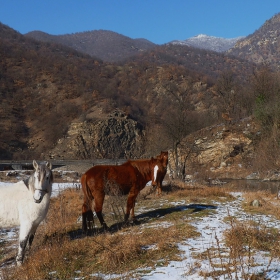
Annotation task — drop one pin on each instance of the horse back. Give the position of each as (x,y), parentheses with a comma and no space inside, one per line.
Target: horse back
(97,178)
(9,196)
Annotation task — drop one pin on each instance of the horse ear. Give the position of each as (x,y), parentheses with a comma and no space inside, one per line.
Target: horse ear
(35,164)
(49,165)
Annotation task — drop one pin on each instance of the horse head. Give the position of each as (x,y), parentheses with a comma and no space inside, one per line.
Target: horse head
(41,181)
(154,169)
(163,157)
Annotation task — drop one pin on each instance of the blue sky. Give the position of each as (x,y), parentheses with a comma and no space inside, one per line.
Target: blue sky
(159,21)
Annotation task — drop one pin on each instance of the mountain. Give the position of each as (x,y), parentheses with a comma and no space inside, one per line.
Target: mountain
(263,46)
(196,60)
(55,98)
(113,47)
(36,75)
(106,45)
(208,42)
(46,88)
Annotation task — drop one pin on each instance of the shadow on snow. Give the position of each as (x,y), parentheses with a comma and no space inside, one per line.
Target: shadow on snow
(142,218)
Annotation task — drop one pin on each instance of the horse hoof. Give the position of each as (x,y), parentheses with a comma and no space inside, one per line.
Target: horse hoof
(125,224)
(136,222)
(18,262)
(105,227)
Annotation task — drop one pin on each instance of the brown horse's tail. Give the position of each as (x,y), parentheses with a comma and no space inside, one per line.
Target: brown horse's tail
(87,213)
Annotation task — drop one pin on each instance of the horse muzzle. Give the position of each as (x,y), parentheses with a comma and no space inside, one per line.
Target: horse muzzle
(38,195)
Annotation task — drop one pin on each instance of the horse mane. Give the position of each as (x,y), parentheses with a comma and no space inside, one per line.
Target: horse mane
(28,181)
(25,181)
(142,165)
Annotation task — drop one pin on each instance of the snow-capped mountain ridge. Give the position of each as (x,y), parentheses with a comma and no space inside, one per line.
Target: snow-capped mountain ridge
(213,43)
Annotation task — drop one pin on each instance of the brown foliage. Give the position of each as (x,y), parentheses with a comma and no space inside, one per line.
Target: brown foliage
(47,84)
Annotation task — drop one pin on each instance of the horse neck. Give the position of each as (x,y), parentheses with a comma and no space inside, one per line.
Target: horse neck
(144,168)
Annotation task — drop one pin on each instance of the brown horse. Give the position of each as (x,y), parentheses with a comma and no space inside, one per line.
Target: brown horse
(129,178)
(162,168)
(143,165)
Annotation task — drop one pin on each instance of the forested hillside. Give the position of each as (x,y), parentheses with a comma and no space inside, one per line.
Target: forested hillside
(107,45)
(45,87)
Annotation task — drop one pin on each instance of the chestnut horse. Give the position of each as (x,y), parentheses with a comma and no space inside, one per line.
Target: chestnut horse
(129,178)
(162,168)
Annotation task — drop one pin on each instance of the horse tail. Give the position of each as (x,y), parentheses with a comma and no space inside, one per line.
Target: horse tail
(87,213)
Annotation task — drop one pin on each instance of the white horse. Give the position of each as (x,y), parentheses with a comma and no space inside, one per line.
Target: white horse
(26,204)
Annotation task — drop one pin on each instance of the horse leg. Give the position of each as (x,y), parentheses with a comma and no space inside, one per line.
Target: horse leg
(90,221)
(130,206)
(24,235)
(87,216)
(133,214)
(158,188)
(32,234)
(98,204)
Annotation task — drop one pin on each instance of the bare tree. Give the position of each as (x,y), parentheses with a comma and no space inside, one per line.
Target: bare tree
(266,88)
(179,120)
(227,90)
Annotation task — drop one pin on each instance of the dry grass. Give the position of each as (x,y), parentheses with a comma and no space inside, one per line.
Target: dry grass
(234,254)
(197,193)
(269,203)
(252,236)
(242,241)
(60,251)
(106,253)
(233,257)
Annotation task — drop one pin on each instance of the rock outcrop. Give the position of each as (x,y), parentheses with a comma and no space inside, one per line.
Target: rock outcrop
(117,136)
(224,151)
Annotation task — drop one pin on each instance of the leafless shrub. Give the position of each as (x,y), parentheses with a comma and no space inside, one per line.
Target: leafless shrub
(116,200)
(267,152)
(233,257)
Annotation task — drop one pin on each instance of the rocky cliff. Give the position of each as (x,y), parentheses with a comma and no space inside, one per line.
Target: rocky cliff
(116,136)
(221,151)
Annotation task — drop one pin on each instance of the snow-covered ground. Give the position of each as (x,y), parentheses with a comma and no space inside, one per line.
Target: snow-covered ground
(211,228)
